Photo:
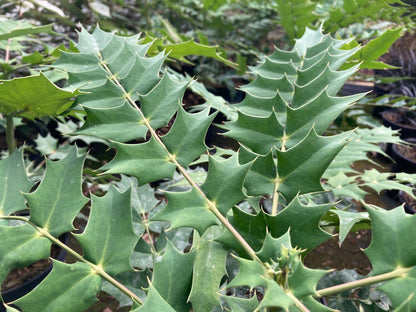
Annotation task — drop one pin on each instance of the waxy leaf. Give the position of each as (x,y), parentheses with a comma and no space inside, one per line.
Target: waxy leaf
(275,296)
(209,268)
(303,222)
(57,291)
(172,277)
(237,304)
(225,190)
(186,138)
(161,103)
(400,289)
(251,227)
(17,28)
(272,247)
(22,245)
(109,240)
(187,209)
(250,273)
(148,162)
(15,181)
(392,239)
(32,97)
(59,198)
(120,124)
(300,168)
(154,302)
(259,134)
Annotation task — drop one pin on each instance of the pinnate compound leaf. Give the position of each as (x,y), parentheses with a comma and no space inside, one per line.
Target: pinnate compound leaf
(33,96)
(172,277)
(303,222)
(15,181)
(22,247)
(59,198)
(301,167)
(209,268)
(148,162)
(225,190)
(109,239)
(187,209)
(186,139)
(57,291)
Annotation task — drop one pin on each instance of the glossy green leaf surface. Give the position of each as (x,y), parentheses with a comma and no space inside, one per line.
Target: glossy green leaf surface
(109,239)
(15,181)
(60,287)
(32,97)
(209,268)
(53,206)
(172,277)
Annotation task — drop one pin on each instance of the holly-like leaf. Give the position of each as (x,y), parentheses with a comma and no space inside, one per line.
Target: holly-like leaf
(17,28)
(172,277)
(301,167)
(347,220)
(187,209)
(58,199)
(241,304)
(251,227)
(302,281)
(190,47)
(33,96)
(15,181)
(250,273)
(303,222)
(209,268)
(161,103)
(275,296)
(109,239)
(186,138)
(120,124)
(259,134)
(392,238)
(22,247)
(380,181)
(148,162)
(225,190)
(260,179)
(272,247)
(58,290)
(395,290)
(154,302)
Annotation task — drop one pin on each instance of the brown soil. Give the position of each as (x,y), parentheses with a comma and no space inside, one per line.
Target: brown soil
(350,255)
(399,117)
(408,151)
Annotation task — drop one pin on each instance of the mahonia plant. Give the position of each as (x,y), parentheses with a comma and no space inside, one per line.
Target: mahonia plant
(212,243)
